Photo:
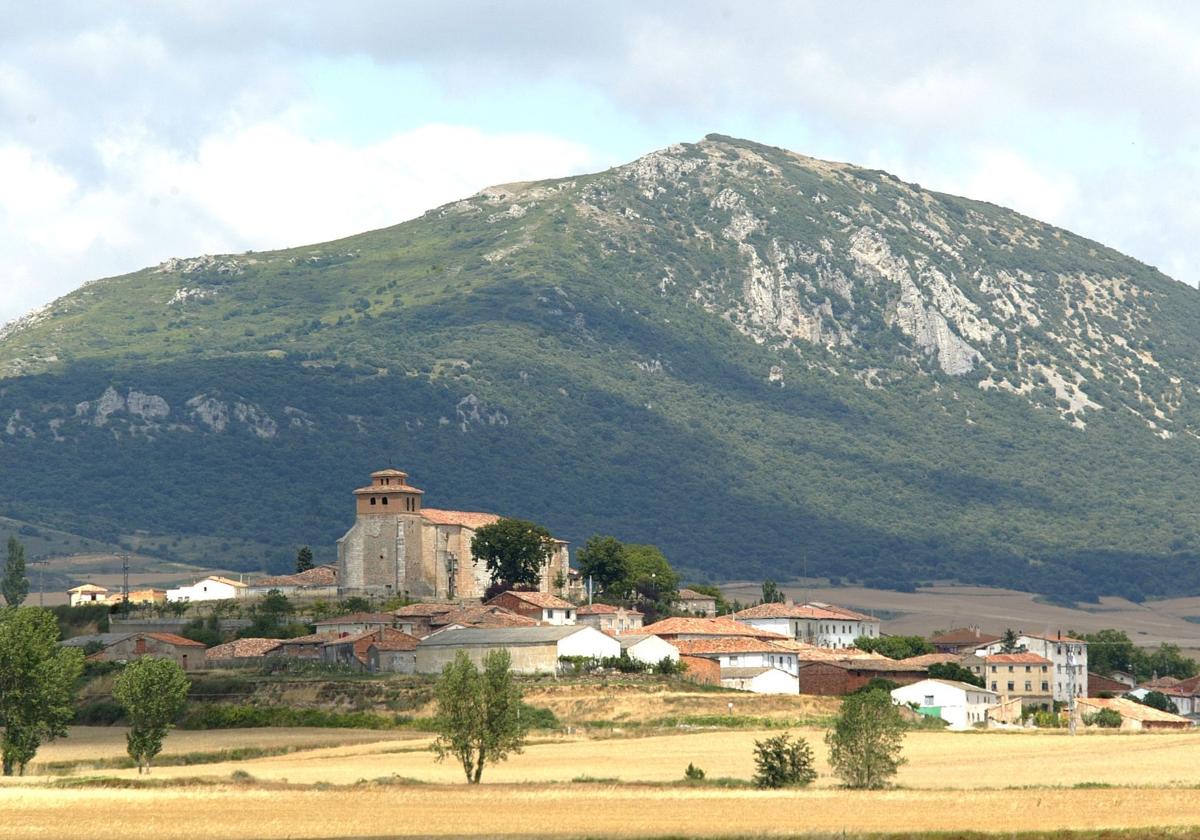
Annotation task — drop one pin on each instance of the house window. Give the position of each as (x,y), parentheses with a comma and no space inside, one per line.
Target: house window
(1045,686)
(385,500)
(928,699)
(372,500)
(1010,685)
(1028,669)
(1010,669)
(1028,686)
(993,685)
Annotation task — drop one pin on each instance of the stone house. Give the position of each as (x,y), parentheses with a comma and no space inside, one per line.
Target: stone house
(1134,716)
(355,623)
(352,650)
(610,619)
(542,607)
(309,648)
(397,546)
(815,623)
(534,650)
(697,603)
(393,655)
(240,653)
(185,653)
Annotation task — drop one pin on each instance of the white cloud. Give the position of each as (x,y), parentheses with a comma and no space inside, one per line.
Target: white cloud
(263,186)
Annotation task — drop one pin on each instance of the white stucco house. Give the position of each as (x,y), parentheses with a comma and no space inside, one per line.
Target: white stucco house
(88,593)
(815,623)
(1065,653)
(760,680)
(744,652)
(960,704)
(211,588)
(648,649)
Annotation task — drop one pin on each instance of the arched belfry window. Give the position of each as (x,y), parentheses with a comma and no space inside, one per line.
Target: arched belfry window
(372,500)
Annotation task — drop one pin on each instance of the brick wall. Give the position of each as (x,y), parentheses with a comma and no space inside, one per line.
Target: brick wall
(701,670)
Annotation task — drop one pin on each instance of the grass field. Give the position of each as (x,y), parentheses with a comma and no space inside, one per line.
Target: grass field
(383,785)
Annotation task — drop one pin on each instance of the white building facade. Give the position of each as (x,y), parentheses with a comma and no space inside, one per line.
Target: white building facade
(213,588)
(960,704)
(815,623)
(760,680)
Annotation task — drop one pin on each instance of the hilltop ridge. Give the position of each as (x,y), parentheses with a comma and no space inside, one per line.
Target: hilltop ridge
(743,354)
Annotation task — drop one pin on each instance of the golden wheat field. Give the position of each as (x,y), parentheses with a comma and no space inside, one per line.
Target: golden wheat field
(1000,782)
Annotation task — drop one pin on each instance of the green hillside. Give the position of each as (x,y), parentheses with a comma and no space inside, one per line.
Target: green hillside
(746,356)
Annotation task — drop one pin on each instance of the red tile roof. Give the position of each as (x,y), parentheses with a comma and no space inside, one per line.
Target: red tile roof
(538,599)
(486,616)
(395,640)
(172,639)
(424,609)
(242,649)
(964,636)
(1022,658)
(693,595)
(463,518)
(316,576)
(720,626)
(357,618)
(812,610)
(725,644)
(311,639)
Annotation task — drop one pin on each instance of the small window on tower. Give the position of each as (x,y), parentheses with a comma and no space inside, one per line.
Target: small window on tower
(372,500)
(385,500)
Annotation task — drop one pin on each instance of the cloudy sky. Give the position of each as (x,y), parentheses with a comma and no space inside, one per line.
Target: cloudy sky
(131,132)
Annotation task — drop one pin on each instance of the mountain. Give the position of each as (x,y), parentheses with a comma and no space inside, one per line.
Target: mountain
(759,361)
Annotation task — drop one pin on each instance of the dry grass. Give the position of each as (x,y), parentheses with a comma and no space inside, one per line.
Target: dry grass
(567,811)
(953,782)
(936,760)
(642,703)
(95,743)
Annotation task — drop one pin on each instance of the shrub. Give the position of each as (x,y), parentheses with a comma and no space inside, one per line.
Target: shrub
(782,762)
(693,773)
(99,713)
(1105,718)
(877,684)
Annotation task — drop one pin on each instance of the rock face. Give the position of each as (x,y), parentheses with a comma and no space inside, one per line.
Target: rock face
(726,349)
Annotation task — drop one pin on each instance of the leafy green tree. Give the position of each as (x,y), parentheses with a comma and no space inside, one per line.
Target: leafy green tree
(514,552)
(781,762)
(894,647)
(605,561)
(1009,643)
(275,607)
(152,692)
(304,559)
(1110,650)
(866,740)
(37,684)
(1164,661)
(1158,700)
(478,717)
(15,585)
(954,671)
(771,593)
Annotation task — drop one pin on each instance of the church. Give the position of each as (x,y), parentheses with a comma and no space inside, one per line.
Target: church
(397,546)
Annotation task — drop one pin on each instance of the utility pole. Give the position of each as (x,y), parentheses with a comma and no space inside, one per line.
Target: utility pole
(125,584)
(1071,689)
(42,582)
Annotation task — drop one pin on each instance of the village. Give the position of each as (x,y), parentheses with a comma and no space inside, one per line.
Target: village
(407,595)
